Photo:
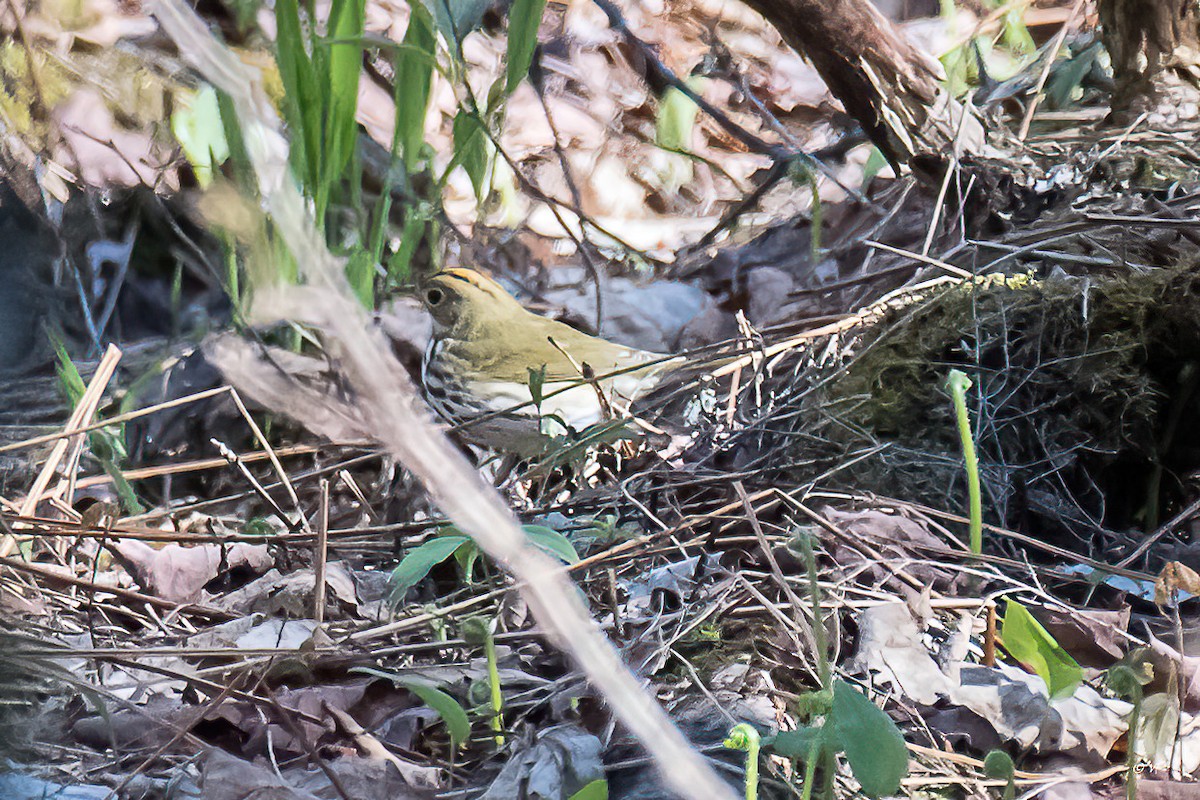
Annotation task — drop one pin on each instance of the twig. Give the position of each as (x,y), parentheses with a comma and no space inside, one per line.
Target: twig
(392,411)
(117,591)
(53,437)
(320,555)
(1059,37)
(659,75)
(957,272)
(235,460)
(85,409)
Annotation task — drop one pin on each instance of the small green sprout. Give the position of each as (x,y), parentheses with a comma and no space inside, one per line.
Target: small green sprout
(745,738)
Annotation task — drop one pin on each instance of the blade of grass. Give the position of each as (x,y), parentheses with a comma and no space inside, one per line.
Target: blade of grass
(414,76)
(523,22)
(299,88)
(346,20)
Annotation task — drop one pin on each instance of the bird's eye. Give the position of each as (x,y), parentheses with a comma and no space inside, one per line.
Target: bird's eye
(434,296)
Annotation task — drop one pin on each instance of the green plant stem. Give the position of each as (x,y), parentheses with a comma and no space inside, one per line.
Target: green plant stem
(958,383)
(489,649)
(744,737)
(1135,717)
(824,671)
(810,768)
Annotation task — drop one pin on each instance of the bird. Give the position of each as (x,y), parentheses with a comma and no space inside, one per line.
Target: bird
(489,355)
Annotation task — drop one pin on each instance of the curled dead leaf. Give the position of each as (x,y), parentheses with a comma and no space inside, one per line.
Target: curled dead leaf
(1175,577)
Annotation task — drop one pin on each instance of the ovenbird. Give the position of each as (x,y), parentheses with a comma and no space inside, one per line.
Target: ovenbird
(488,356)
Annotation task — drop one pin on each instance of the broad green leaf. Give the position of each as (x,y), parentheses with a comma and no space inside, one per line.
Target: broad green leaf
(414,70)
(1032,645)
(1068,74)
(596,790)
(200,131)
(552,542)
(1016,34)
(418,562)
(449,709)
(872,742)
(456,18)
(998,765)
(524,18)
(471,150)
(793,744)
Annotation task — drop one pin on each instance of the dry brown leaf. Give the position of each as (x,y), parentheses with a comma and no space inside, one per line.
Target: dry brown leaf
(1174,577)
(179,573)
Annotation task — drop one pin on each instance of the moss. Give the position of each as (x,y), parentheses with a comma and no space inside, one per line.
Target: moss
(1074,378)
(22,107)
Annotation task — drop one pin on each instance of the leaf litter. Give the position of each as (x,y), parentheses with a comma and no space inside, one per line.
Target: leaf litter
(680,578)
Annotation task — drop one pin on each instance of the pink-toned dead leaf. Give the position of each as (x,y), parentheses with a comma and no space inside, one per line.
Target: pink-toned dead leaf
(107,23)
(180,573)
(898,540)
(298,391)
(1167,790)
(108,154)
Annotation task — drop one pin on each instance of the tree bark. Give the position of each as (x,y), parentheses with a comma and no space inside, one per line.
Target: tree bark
(1155,49)
(891,87)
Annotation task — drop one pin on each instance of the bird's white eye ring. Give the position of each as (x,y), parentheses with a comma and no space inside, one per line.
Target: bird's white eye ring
(434,296)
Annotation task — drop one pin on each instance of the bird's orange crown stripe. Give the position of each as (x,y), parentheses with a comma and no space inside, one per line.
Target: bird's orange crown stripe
(476,279)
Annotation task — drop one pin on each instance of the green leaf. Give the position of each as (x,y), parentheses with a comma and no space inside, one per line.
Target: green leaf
(998,765)
(873,744)
(360,272)
(466,556)
(1160,723)
(414,70)
(346,20)
(677,117)
(596,790)
(399,266)
(794,744)
(1032,645)
(107,445)
(471,149)
(449,709)
(524,19)
(301,106)
(1068,74)
(1016,36)
(68,374)
(200,131)
(456,18)
(552,542)
(537,381)
(876,161)
(416,565)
